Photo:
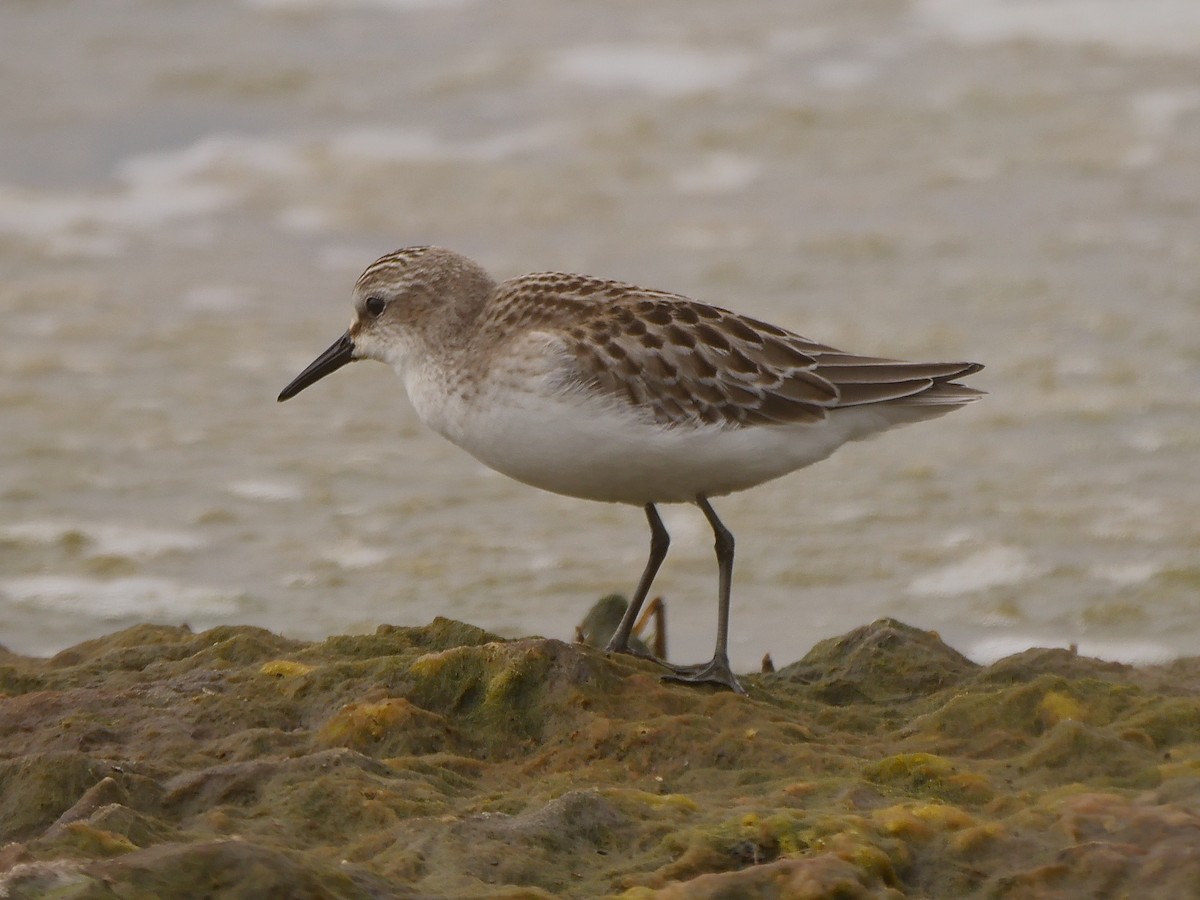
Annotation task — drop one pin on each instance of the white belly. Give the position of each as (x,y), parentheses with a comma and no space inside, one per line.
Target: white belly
(598,451)
(585,445)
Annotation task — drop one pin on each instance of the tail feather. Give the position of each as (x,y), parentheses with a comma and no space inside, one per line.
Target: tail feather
(947,393)
(865,381)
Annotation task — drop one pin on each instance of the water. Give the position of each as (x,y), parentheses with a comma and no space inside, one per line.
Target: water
(188,191)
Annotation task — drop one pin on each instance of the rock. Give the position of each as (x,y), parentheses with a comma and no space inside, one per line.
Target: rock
(442,761)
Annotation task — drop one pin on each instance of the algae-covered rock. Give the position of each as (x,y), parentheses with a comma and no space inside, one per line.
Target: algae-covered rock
(229,869)
(442,761)
(880,662)
(36,789)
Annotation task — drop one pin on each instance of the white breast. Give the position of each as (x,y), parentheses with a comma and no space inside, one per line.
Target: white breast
(582,445)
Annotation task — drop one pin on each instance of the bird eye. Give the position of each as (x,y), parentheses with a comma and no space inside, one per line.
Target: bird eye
(374,306)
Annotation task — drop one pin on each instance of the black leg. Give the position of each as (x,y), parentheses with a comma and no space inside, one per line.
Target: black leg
(659,542)
(717,669)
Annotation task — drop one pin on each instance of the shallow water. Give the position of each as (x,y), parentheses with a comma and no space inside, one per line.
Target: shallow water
(187,193)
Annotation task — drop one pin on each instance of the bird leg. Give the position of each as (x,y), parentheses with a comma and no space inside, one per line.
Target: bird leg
(717,669)
(660,540)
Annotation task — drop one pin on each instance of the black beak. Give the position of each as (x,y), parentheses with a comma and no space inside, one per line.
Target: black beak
(338,354)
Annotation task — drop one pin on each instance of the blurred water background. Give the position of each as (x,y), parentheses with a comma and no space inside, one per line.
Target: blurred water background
(189,189)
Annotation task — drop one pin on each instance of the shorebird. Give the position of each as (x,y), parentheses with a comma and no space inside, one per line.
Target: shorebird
(607,391)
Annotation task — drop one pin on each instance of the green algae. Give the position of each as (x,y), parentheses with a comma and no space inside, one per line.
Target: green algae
(442,761)
(389,727)
(930,775)
(877,663)
(35,789)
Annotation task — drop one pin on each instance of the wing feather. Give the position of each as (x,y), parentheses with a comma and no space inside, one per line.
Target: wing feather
(690,364)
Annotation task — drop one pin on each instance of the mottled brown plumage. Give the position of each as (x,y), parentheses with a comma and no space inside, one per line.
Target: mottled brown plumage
(690,364)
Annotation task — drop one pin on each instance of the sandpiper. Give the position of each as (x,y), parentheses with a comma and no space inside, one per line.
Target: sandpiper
(607,391)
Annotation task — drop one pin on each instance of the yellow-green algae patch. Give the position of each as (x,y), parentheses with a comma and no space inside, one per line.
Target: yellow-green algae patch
(284,668)
(929,775)
(388,727)
(441,761)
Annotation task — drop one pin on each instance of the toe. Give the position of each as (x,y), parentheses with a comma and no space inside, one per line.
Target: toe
(714,672)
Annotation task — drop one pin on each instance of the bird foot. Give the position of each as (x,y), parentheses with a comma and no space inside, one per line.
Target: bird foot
(638,653)
(630,650)
(715,671)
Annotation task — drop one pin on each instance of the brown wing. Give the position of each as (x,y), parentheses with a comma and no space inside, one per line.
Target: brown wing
(689,364)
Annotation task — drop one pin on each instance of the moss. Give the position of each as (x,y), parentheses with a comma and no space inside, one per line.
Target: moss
(137,828)
(442,634)
(441,761)
(899,820)
(1084,753)
(389,727)
(228,646)
(643,800)
(943,817)
(975,839)
(232,869)
(877,663)
(501,689)
(1038,661)
(37,788)
(131,648)
(284,668)
(930,775)
(85,839)
(1056,707)
(18,681)
(1168,721)
(874,862)
(1017,712)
